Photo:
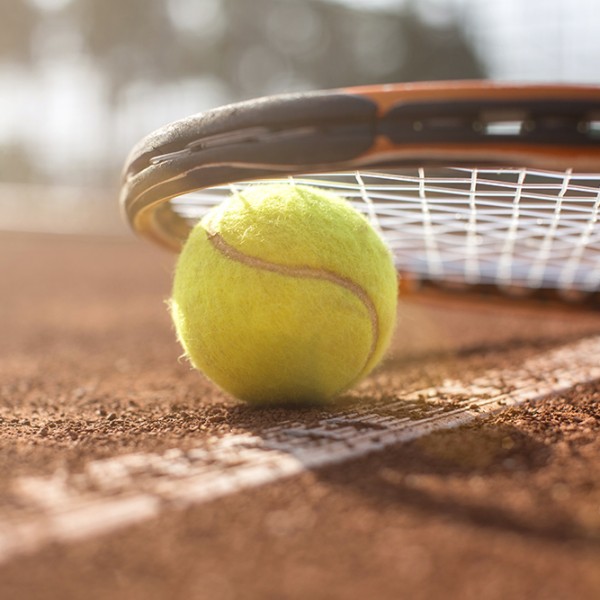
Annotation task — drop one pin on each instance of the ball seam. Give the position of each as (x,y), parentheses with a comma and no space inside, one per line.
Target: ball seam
(304,272)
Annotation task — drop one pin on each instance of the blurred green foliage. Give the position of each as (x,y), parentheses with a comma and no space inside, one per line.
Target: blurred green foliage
(253,47)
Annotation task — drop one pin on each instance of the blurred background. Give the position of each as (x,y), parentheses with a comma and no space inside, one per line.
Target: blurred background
(82,80)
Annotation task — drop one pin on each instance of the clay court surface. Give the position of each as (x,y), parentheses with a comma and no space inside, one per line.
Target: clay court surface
(507,506)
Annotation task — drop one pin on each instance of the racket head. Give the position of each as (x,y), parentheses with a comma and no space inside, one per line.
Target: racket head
(537,143)
(378,127)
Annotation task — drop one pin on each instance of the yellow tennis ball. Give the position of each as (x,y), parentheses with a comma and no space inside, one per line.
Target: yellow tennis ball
(284,293)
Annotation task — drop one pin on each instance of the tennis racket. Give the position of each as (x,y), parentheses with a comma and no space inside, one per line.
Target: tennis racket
(481,190)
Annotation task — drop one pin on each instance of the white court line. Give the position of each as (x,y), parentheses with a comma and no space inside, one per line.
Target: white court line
(110,494)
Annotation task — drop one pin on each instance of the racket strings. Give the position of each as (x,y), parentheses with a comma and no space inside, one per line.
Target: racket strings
(507,227)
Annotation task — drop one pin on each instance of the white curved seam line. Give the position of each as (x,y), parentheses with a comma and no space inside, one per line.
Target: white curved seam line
(304,272)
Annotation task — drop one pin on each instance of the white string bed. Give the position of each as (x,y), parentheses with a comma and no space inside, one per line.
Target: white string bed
(506,227)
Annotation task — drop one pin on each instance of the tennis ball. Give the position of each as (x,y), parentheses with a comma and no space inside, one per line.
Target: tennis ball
(284,294)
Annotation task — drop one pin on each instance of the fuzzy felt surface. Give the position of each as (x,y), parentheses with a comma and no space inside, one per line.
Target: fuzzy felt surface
(284,293)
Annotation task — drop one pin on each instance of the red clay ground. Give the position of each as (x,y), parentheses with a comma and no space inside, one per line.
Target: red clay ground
(506,508)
